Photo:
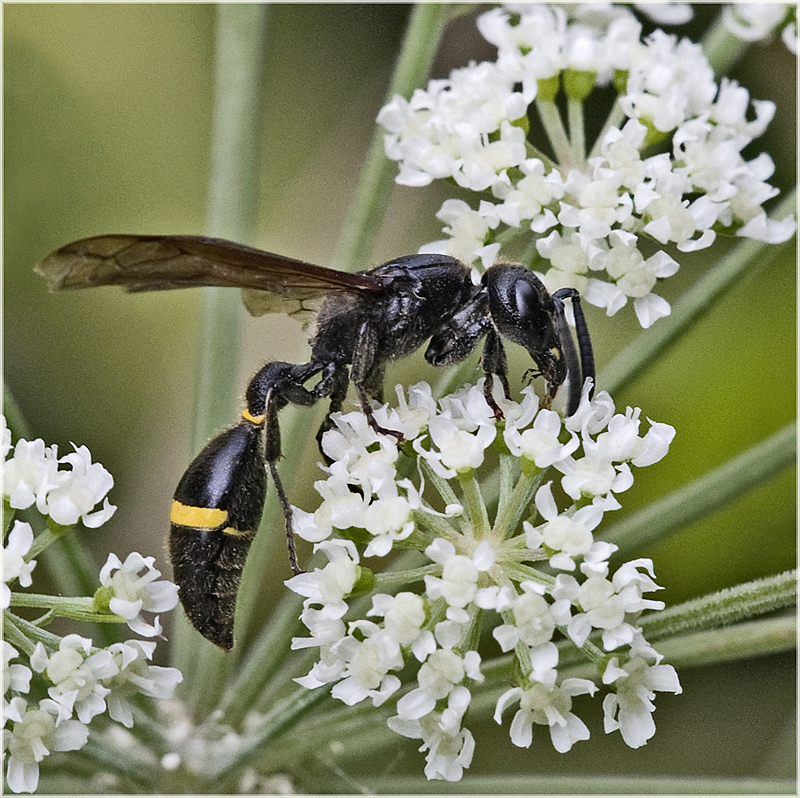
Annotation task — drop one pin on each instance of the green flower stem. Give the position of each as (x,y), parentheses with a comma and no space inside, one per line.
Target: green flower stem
(733,604)
(577,136)
(15,420)
(507,521)
(80,608)
(123,761)
(391,579)
(740,641)
(45,538)
(634,359)
(24,635)
(368,207)
(521,572)
(360,729)
(232,209)
(539,784)
(710,492)
(614,119)
(474,505)
(442,487)
(722,49)
(508,473)
(282,717)
(259,663)
(556,133)
(433,524)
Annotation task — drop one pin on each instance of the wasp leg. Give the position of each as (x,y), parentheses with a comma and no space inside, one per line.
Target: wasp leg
(364,372)
(493,361)
(570,355)
(582,333)
(272,388)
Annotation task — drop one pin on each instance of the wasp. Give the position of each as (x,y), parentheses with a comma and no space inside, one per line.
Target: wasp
(364,320)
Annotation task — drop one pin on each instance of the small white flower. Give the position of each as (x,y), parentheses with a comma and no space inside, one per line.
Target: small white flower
(533,622)
(568,536)
(368,662)
(34,734)
(79,490)
(16,549)
(330,585)
(547,705)
(30,474)
(449,749)
(404,616)
(754,21)
(133,674)
(636,681)
(135,590)
(16,677)
(77,675)
(540,442)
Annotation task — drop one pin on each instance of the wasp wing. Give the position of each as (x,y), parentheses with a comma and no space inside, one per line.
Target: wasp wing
(158,263)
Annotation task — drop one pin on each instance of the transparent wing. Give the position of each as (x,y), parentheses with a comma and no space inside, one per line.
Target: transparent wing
(159,263)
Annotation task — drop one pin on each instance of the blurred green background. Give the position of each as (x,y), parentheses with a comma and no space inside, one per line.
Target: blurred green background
(107,129)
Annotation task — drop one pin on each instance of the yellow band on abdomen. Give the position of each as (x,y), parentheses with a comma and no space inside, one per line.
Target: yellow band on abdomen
(198,517)
(248,416)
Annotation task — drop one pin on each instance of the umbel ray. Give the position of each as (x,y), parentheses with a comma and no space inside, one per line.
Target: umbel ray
(365,319)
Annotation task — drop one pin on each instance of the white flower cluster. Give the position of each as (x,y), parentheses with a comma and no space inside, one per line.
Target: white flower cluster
(32,475)
(80,680)
(525,564)
(668,167)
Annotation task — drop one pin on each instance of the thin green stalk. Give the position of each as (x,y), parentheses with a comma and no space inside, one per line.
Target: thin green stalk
(81,608)
(556,133)
(730,605)
(474,505)
(722,49)
(368,207)
(634,359)
(740,641)
(614,119)
(507,521)
(577,136)
(233,204)
(284,715)
(391,579)
(444,490)
(259,664)
(708,493)
(123,762)
(15,420)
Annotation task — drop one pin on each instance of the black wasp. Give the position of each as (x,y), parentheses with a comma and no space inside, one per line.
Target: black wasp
(364,320)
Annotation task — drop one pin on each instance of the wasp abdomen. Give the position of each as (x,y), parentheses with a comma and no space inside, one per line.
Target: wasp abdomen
(214,517)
